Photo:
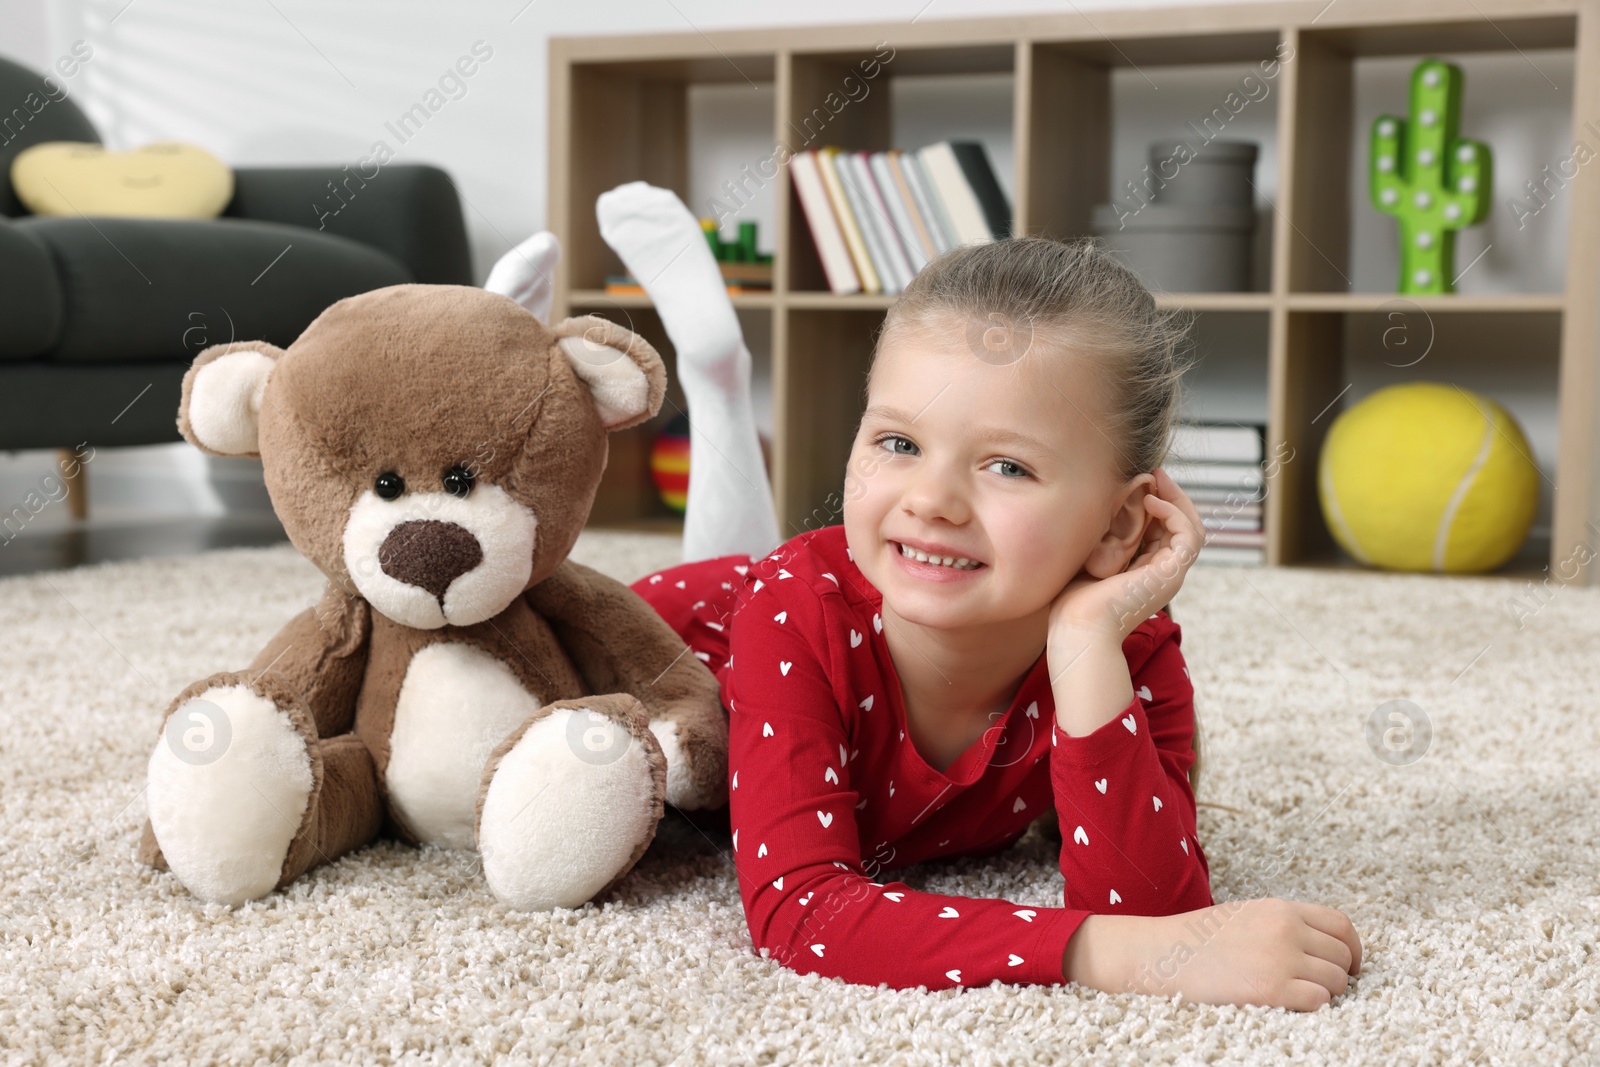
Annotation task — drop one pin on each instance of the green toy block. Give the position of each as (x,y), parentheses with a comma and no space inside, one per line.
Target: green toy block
(1430,180)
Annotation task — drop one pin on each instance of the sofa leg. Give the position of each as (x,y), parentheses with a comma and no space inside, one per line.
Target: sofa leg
(76,484)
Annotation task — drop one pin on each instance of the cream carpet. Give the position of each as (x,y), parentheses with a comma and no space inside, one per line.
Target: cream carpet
(1471,874)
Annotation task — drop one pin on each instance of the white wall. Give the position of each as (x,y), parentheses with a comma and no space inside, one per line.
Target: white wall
(296,81)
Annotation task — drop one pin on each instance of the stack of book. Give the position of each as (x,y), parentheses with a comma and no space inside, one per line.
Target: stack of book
(1219,466)
(877,218)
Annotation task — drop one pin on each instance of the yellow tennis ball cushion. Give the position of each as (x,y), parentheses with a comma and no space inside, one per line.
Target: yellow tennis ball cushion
(1428,477)
(167,180)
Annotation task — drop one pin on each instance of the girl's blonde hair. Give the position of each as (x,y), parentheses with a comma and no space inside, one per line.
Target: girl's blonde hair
(1026,295)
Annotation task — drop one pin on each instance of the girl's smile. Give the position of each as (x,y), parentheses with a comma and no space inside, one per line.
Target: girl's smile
(911,561)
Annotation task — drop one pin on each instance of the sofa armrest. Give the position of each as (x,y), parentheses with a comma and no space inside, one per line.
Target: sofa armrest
(31,304)
(409,210)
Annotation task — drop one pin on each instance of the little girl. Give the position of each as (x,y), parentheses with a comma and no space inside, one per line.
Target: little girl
(983,640)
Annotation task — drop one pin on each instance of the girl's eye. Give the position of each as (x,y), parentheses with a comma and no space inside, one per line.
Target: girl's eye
(894,438)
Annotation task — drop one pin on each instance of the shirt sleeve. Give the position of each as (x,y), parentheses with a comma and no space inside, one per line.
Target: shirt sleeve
(1122,793)
(810,900)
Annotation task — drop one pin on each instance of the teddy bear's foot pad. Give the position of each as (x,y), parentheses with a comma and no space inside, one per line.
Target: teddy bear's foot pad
(570,808)
(229,782)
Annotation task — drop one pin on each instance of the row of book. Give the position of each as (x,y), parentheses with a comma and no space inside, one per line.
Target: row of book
(877,218)
(1219,466)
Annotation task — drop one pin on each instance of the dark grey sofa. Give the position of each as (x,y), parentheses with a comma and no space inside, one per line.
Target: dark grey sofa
(100,316)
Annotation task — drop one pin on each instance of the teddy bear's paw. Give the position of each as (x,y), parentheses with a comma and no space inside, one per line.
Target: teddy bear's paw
(682,790)
(571,806)
(228,787)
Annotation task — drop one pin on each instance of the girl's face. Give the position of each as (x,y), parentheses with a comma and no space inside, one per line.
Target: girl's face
(980,444)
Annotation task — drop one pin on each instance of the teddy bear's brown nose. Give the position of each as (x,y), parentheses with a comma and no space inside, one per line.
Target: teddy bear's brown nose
(429,554)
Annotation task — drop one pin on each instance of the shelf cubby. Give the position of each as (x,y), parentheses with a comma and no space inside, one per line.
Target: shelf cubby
(1095,106)
(892,96)
(627,497)
(1348,76)
(630,114)
(1339,357)
(1063,102)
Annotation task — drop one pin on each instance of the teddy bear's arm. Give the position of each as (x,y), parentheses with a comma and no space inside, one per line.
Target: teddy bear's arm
(322,655)
(617,640)
(619,644)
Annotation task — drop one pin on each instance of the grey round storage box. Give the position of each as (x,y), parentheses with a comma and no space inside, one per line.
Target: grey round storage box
(1220,174)
(1182,248)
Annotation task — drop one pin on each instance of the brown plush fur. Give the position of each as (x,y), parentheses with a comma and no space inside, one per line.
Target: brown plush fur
(415,379)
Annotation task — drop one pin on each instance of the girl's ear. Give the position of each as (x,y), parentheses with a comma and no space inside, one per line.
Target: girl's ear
(1125,532)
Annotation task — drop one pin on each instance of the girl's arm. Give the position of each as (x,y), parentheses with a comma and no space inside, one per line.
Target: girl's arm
(811,900)
(1122,747)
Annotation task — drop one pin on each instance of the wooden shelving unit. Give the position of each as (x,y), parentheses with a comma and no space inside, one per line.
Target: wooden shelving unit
(619,112)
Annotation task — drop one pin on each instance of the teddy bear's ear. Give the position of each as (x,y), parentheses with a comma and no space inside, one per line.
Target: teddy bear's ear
(624,373)
(221,407)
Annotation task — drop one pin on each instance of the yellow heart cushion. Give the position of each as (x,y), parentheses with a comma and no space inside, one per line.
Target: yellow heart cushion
(167,179)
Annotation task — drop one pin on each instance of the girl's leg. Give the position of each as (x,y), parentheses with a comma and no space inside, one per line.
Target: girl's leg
(526,274)
(730,508)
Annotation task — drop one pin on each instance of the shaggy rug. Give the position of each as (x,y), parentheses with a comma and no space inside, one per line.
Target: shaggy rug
(1458,831)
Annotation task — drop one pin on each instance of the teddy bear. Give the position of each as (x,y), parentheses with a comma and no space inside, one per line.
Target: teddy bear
(435,451)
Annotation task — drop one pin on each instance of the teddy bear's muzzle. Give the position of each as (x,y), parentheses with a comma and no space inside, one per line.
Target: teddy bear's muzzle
(429,554)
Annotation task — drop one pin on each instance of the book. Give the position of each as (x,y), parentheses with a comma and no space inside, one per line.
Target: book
(825,231)
(856,209)
(1225,509)
(892,261)
(933,213)
(892,160)
(1243,476)
(827,158)
(966,183)
(900,212)
(1229,522)
(1225,442)
(1224,496)
(1236,538)
(1231,554)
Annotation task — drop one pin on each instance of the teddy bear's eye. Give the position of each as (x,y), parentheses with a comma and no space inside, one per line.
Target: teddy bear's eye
(458,481)
(389,485)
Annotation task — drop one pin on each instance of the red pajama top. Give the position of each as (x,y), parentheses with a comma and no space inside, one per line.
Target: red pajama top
(827,793)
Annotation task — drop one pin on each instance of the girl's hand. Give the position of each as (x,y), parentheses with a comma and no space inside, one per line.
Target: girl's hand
(1112,607)
(1271,952)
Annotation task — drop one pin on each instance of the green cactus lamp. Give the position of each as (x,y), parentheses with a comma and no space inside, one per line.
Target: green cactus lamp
(1430,180)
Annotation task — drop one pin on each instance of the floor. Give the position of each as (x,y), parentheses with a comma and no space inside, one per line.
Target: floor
(1463,853)
(31,551)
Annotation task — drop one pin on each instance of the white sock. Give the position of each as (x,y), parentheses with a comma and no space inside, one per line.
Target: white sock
(527,274)
(730,508)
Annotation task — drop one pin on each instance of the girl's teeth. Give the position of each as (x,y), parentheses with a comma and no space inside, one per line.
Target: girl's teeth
(960,563)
